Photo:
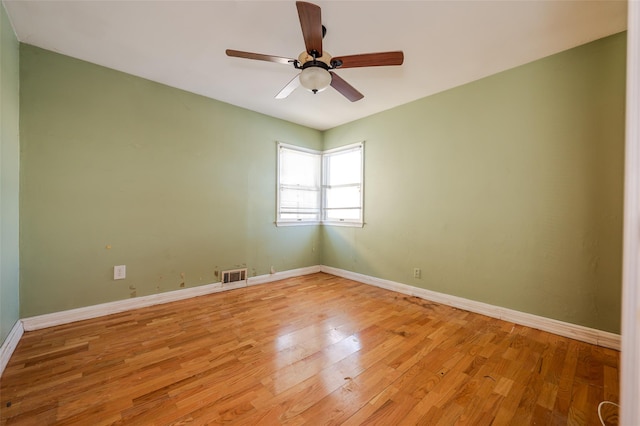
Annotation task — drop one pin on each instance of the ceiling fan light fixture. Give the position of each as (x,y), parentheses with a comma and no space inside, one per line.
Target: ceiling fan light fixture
(315,78)
(316,65)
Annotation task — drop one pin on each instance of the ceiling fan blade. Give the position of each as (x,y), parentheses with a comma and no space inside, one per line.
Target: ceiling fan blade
(259,56)
(369,60)
(289,88)
(347,90)
(311,23)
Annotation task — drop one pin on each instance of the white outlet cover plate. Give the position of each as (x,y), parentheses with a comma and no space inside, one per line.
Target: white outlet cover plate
(119,272)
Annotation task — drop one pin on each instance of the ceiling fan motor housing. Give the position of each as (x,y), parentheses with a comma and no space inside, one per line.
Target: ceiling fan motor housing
(305,57)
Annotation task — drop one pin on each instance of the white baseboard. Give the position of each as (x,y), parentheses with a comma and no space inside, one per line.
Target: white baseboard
(277,276)
(573,331)
(88,312)
(10,344)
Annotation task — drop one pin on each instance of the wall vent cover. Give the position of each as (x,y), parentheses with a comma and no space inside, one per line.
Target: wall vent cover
(234,275)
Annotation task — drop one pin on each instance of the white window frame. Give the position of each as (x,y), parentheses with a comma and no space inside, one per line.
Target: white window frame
(359,222)
(292,222)
(322,216)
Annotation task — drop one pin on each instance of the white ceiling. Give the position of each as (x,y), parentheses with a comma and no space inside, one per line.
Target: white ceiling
(182,44)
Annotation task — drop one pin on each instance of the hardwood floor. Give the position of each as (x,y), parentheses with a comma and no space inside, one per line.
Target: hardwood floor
(314,350)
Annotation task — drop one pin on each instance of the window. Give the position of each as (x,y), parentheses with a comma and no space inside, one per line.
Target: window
(342,185)
(299,198)
(320,187)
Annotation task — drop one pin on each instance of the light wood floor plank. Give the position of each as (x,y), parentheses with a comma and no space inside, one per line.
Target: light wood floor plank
(312,350)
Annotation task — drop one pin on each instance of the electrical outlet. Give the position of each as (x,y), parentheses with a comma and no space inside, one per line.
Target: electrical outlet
(119,272)
(417,272)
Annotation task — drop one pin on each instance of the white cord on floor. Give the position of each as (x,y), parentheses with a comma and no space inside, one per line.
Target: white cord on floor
(600,407)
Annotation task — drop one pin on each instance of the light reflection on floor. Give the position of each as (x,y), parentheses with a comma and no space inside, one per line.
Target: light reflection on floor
(314,350)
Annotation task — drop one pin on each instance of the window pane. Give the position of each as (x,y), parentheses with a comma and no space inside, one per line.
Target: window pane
(344,196)
(344,167)
(303,202)
(299,168)
(295,216)
(346,214)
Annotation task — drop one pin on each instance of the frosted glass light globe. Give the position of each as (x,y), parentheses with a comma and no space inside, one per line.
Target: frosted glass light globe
(315,79)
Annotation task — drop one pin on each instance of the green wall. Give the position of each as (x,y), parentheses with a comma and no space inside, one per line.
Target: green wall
(9,177)
(120,170)
(507,190)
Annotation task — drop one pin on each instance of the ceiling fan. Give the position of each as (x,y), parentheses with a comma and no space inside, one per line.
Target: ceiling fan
(316,65)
